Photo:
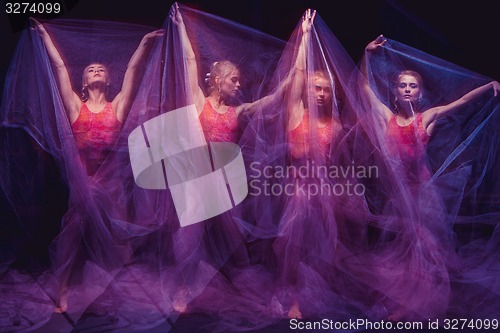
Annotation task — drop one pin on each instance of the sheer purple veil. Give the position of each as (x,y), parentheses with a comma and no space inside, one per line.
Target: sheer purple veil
(96,229)
(206,256)
(450,206)
(303,204)
(337,218)
(114,234)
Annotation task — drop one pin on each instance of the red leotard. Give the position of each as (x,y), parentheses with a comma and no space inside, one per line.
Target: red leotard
(409,143)
(95,133)
(219,127)
(300,139)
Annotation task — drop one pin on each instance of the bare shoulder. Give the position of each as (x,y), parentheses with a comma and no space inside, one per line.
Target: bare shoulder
(244,108)
(74,109)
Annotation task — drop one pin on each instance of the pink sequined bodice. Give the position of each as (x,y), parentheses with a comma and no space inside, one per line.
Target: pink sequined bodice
(95,133)
(408,144)
(300,139)
(219,127)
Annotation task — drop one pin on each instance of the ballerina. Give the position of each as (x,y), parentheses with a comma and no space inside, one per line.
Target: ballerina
(95,120)
(414,203)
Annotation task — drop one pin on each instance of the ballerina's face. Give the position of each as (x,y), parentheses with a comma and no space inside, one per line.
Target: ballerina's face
(321,91)
(230,85)
(408,89)
(95,73)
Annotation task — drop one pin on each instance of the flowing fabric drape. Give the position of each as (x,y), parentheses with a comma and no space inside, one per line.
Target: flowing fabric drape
(433,250)
(120,251)
(337,218)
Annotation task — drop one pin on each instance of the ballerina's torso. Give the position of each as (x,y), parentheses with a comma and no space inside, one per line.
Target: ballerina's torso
(95,133)
(219,127)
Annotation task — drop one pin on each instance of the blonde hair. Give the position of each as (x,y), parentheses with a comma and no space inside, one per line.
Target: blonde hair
(323,74)
(420,81)
(84,96)
(220,69)
(409,72)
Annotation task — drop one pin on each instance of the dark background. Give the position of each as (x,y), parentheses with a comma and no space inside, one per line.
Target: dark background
(463,32)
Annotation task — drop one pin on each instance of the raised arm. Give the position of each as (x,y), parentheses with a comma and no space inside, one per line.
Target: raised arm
(293,83)
(70,99)
(133,75)
(192,67)
(295,102)
(384,112)
(430,116)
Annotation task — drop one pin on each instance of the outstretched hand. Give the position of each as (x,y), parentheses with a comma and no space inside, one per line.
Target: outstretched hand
(496,88)
(175,15)
(36,25)
(376,43)
(153,35)
(307,20)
